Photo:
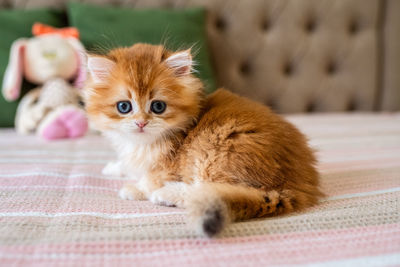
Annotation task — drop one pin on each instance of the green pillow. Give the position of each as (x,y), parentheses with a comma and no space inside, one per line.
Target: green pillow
(109,27)
(15,24)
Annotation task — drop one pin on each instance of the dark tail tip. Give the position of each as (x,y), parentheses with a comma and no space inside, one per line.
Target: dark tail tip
(213,222)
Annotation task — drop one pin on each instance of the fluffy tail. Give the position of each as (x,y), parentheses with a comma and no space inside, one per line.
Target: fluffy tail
(212,206)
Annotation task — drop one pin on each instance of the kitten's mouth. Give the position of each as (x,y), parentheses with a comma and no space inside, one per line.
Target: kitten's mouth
(140,130)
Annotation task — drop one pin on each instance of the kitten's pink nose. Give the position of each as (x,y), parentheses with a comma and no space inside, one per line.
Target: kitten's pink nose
(141,124)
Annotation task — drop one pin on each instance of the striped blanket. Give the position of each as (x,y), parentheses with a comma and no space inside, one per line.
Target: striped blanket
(56,208)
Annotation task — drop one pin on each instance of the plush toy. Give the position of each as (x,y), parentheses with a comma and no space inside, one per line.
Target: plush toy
(51,59)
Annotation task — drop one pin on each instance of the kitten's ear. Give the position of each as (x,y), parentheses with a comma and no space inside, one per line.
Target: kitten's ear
(181,62)
(100,68)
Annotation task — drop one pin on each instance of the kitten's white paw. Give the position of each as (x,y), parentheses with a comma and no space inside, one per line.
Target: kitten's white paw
(166,196)
(130,192)
(113,168)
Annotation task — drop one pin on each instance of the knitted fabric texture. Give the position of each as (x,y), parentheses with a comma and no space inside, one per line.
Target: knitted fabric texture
(56,208)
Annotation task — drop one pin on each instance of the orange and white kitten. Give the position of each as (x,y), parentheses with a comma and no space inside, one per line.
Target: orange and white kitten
(223,157)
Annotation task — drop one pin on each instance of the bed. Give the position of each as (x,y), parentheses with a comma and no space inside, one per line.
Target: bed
(58,209)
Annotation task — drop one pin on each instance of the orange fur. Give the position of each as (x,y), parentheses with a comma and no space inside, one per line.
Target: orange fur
(224,157)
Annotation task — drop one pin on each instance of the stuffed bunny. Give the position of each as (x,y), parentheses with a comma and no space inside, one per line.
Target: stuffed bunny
(50,59)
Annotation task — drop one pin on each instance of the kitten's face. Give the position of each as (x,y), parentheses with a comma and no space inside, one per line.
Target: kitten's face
(143,91)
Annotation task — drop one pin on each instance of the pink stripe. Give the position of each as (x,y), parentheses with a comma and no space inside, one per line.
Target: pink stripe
(69,156)
(18,167)
(103,191)
(343,184)
(348,152)
(331,193)
(357,164)
(56,181)
(293,248)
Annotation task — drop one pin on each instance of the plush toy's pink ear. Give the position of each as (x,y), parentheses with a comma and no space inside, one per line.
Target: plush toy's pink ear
(81,55)
(13,75)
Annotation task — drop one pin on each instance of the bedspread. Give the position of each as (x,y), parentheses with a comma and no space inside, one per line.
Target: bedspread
(56,208)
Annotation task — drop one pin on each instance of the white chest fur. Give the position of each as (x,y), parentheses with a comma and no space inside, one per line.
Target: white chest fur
(136,157)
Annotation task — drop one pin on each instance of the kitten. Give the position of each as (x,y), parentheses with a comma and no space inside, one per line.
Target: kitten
(223,157)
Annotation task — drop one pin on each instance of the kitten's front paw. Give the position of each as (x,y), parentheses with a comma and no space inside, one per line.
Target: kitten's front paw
(113,168)
(166,197)
(130,192)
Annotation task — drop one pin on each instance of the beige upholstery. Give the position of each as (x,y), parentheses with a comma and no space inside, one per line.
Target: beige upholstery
(391,60)
(298,55)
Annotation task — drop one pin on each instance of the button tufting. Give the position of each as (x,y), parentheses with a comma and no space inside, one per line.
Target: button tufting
(245,68)
(311,107)
(351,106)
(353,27)
(310,25)
(331,68)
(288,69)
(265,25)
(220,24)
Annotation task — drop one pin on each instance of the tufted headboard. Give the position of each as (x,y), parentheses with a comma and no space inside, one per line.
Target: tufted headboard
(297,55)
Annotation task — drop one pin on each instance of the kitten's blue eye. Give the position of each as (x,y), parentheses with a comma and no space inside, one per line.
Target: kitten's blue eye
(124,107)
(158,106)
